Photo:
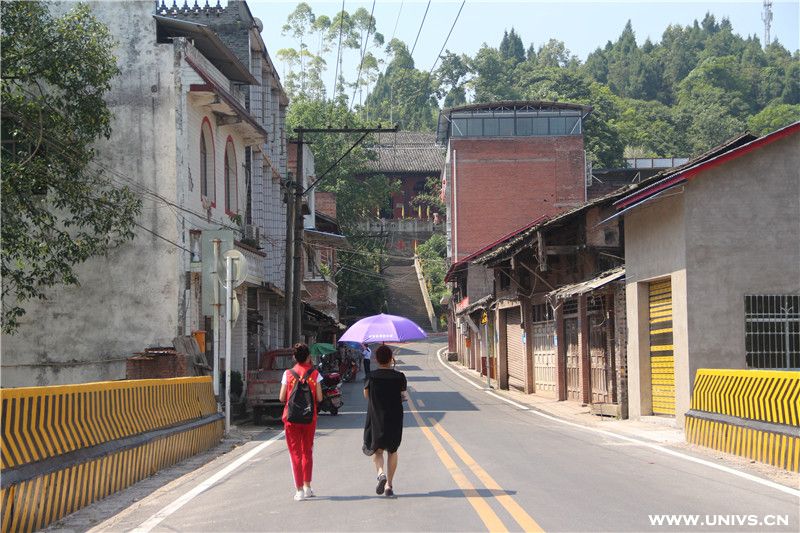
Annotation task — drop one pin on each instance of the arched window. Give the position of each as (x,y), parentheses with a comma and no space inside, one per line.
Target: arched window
(208,189)
(231,189)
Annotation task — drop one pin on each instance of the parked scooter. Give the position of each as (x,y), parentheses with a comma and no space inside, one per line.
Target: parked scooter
(340,361)
(331,393)
(349,369)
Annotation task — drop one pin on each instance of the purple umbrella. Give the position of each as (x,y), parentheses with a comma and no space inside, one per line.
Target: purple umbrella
(383,328)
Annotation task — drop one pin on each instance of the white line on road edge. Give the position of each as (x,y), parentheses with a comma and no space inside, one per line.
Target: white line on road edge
(161,515)
(439,357)
(657,447)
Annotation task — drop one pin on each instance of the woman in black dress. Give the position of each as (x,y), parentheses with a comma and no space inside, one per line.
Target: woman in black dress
(383,431)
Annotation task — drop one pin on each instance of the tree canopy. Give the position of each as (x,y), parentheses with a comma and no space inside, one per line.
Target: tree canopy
(697,86)
(58,209)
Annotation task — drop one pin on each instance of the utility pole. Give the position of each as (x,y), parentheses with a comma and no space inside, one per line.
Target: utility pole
(288,285)
(295,226)
(297,287)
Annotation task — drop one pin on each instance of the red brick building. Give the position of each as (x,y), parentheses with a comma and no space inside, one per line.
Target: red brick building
(507,164)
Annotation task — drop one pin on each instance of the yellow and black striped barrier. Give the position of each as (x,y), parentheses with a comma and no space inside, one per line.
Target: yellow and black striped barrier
(752,413)
(65,447)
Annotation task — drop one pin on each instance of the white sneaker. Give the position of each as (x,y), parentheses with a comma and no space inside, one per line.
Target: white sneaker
(308,492)
(298,496)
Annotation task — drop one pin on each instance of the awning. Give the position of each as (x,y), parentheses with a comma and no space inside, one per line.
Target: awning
(209,44)
(483,303)
(568,291)
(323,237)
(223,102)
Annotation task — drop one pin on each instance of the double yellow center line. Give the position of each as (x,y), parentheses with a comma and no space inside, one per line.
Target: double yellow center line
(478,502)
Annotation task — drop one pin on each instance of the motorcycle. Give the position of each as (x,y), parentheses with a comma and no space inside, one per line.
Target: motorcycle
(331,393)
(349,369)
(345,366)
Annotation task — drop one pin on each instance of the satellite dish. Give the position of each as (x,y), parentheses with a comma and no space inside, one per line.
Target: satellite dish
(238,265)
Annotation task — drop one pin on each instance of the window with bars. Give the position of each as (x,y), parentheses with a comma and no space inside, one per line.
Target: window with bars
(772,331)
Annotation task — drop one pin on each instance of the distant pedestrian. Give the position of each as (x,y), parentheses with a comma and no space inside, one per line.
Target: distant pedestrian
(300,417)
(385,392)
(366,354)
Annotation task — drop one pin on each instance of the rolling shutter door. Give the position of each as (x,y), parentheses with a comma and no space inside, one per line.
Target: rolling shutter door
(662,359)
(516,348)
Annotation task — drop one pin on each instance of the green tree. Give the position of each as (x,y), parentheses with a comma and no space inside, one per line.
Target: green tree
(774,117)
(362,287)
(58,209)
(452,72)
(554,53)
(431,196)
(511,47)
(432,255)
(568,85)
(356,199)
(403,95)
(650,126)
(358,193)
(494,76)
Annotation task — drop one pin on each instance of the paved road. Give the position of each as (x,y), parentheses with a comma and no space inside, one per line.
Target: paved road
(469,462)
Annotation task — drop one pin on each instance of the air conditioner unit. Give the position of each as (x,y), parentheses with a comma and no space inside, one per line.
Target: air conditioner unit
(252,234)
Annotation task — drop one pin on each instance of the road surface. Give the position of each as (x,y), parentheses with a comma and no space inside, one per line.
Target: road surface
(469,461)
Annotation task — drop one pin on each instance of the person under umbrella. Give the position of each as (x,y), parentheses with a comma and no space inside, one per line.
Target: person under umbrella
(385,391)
(366,354)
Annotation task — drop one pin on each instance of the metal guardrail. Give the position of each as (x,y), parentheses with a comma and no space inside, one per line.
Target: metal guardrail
(752,413)
(65,447)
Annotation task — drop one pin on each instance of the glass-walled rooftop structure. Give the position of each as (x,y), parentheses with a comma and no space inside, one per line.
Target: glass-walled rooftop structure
(512,119)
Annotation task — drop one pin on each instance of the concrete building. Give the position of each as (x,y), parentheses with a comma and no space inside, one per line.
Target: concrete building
(198,133)
(712,260)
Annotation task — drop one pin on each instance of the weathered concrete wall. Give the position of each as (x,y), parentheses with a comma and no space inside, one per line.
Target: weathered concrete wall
(130,298)
(655,249)
(742,227)
(140,294)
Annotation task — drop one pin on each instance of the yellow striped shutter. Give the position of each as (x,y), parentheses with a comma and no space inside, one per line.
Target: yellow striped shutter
(662,359)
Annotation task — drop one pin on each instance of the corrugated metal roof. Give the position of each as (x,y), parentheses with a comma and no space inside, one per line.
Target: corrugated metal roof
(407,151)
(459,265)
(568,291)
(209,44)
(731,149)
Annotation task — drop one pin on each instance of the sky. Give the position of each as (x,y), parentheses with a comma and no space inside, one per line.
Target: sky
(582,26)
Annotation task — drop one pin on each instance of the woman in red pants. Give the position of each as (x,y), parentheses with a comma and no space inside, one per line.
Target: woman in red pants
(299,436)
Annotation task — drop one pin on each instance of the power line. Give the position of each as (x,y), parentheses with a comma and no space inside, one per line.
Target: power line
(364,44)
(420,28)
(397,20)
(173,243)
(65,150)
(439,55)
(338,56)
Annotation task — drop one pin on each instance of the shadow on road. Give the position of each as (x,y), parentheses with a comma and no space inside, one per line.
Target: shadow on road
(452,493)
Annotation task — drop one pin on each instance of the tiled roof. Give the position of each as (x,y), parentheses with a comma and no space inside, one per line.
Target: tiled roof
(406,151)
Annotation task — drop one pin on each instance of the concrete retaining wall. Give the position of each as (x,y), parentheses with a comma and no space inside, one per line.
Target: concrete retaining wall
(64,447)
(752,413)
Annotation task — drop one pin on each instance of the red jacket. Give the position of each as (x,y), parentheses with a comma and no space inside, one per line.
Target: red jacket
(301,370)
